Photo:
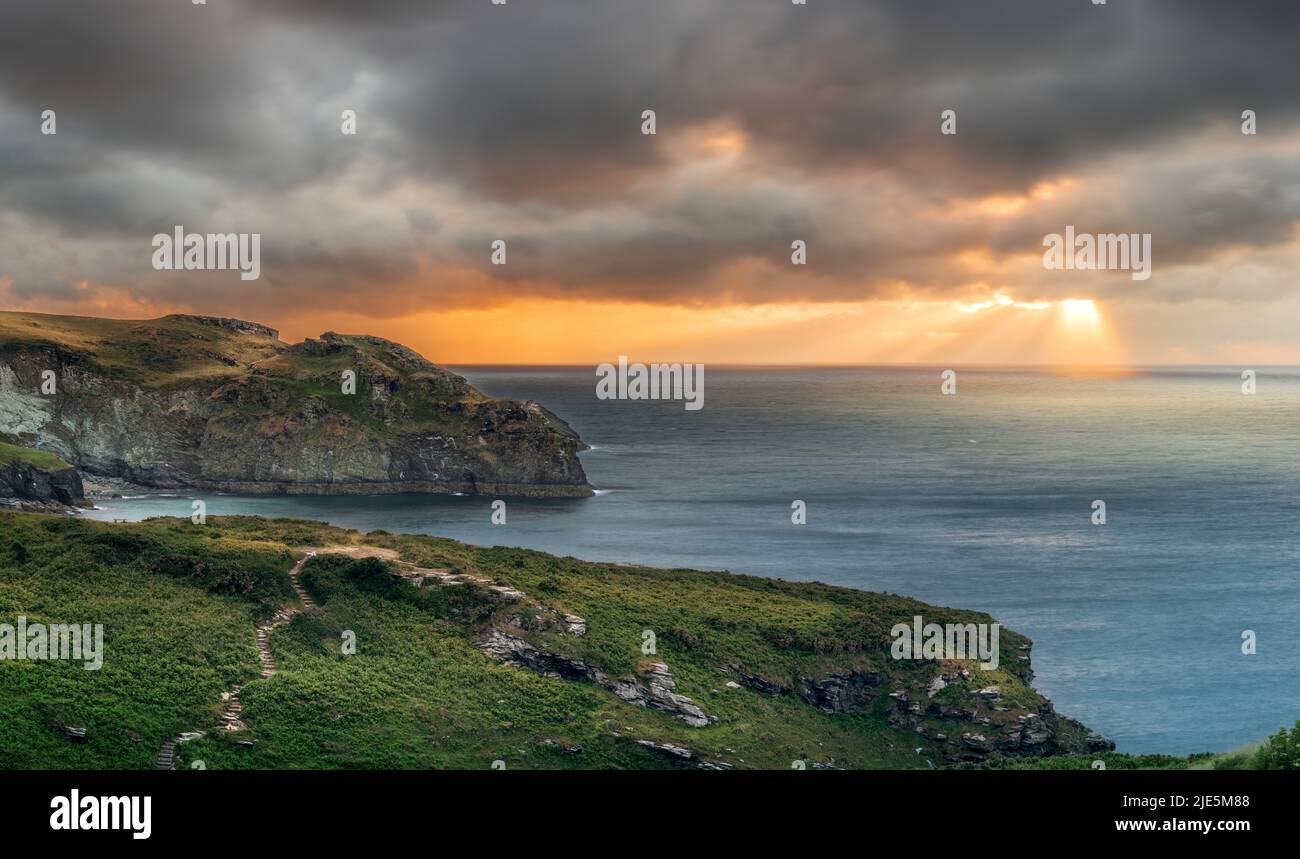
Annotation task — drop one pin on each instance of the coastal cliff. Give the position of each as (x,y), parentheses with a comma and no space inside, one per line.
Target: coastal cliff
(38,481)
(221,404)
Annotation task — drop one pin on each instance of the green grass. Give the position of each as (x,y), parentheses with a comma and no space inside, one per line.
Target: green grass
(171,645)
(172,350)
(176,351)
(179,603)
(1111,761)
(45,461)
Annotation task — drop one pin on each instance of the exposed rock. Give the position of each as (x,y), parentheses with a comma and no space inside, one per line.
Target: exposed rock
(223,405)
(951,712)
(657,692)
(668,750)
(515,651)
(52,490)
(1030,733)
(759,683)
(574,624)
(660,695)
(982,725)
(841,693)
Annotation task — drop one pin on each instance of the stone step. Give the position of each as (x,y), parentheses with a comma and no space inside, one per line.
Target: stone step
(230,720)
(166,757)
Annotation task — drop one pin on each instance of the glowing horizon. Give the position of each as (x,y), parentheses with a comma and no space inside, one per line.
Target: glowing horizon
(924,243)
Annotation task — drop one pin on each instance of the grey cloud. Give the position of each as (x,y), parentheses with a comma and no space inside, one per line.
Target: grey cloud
(530,113)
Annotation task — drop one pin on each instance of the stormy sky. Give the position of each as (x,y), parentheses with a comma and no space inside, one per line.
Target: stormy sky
(775,122)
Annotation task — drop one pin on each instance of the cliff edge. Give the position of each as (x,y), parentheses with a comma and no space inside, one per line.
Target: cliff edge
(222,404)
(38,481)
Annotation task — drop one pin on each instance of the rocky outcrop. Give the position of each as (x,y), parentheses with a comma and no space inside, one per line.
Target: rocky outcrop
(222,405)
(836,692)
(682,755)
(668,750)
(849,692)
(969,721)
(658,692)
(512,650)
(759,683)
(975,726)
(34,488)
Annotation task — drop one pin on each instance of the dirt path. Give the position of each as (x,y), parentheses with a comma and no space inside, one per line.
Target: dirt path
(355,551)
(231,715)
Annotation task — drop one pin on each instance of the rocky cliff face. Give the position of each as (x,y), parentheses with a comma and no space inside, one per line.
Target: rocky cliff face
(41,489)
(219,404)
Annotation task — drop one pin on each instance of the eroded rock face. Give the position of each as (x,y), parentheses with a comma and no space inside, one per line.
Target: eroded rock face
(850,692)
(991,729)
(254,415)
(658,692)
(668,750)
(25,482)
(519,653)
(967,719)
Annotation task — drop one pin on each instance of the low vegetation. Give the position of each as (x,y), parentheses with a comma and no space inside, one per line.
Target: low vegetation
(179,603)
(12,453)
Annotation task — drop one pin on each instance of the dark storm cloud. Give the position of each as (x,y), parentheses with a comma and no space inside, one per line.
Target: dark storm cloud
(522,121)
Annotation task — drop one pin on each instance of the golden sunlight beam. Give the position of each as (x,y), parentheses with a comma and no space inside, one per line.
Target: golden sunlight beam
(1080,311)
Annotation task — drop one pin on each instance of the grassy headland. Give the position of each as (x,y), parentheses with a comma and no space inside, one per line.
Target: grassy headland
(770,662)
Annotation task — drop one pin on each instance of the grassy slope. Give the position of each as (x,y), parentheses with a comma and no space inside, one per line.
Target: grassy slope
(152,353)
(174,646)
(38,458)
(178,350)
(417,693)
(302,376)
(179,603)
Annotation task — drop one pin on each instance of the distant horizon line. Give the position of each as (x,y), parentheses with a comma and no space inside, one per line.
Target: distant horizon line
(1099,367)
(879,365)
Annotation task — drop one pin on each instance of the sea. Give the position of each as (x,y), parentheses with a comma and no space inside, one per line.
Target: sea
(983,499)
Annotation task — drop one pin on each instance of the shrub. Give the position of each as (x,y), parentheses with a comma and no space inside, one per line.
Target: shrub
(1280,751)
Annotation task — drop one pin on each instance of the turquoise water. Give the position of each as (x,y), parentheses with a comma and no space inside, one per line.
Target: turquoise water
(980,500)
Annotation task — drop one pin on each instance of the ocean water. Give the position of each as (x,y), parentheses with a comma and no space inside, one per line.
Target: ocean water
(981,500)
